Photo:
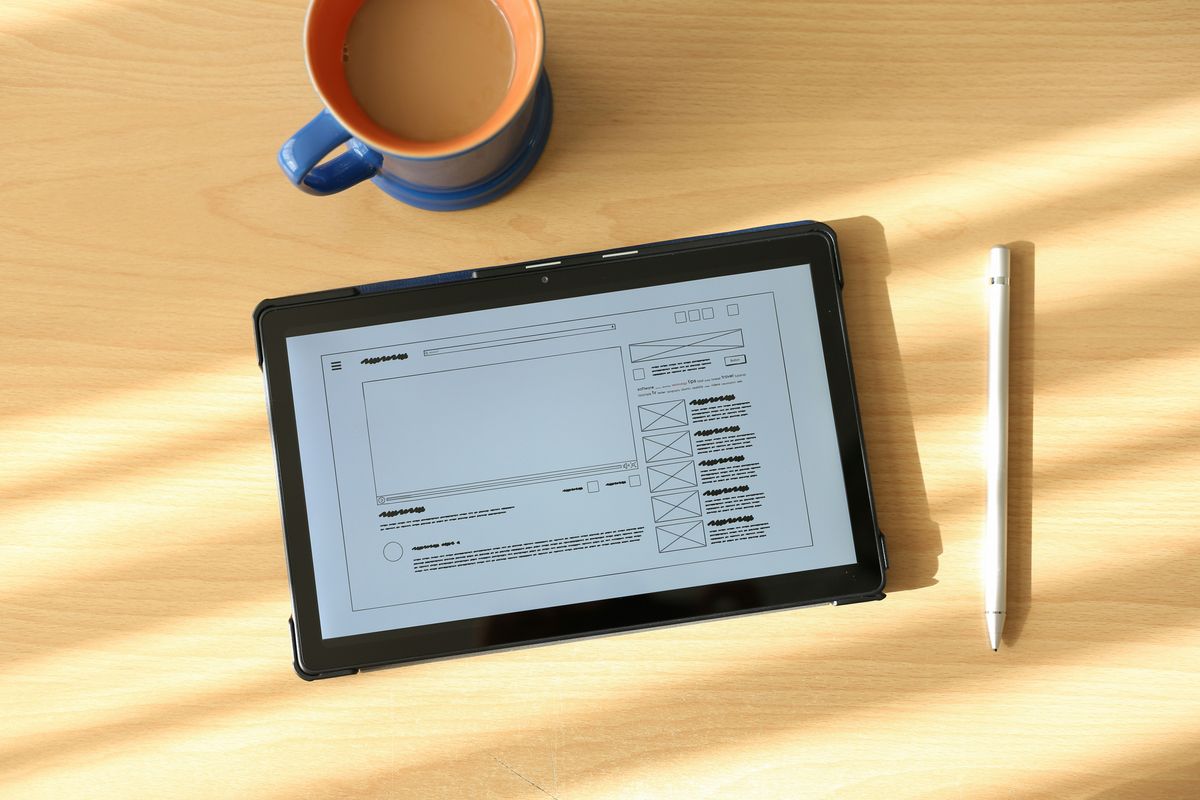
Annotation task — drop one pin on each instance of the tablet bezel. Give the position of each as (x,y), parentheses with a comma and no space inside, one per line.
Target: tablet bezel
(647,265)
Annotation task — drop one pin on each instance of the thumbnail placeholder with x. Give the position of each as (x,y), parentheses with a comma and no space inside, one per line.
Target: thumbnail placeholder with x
(673,507)
(680,536)
(674,476)
(657,416)
(668,446)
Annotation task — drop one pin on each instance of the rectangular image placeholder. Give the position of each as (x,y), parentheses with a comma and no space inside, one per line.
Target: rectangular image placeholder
(499,424)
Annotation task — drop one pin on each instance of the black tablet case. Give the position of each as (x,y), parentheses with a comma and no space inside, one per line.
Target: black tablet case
(403,284)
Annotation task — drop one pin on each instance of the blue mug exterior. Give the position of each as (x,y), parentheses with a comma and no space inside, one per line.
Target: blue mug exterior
(451,182)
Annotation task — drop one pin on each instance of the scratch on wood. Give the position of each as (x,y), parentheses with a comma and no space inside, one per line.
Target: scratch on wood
(504,764)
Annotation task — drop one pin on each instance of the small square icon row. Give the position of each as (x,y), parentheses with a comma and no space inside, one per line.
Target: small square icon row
(697,314)
(694,315)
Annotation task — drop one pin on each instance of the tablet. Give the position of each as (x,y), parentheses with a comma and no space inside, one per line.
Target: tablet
(577,445)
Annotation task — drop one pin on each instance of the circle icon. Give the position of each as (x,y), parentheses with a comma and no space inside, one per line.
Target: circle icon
(393,551)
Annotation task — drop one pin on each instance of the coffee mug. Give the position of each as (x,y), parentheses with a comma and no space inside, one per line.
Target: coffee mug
(455,173)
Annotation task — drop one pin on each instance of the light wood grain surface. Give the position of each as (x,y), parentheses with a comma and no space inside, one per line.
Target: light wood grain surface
(143,599)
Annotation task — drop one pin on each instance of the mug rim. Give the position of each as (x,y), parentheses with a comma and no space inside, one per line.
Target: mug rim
(515,99)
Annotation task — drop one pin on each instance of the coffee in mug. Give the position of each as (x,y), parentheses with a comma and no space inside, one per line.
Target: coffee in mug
(429,70)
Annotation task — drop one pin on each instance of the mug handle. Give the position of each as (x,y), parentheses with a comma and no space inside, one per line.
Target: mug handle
(301,154)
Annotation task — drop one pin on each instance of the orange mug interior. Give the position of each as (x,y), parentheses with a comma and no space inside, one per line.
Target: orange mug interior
(325,32)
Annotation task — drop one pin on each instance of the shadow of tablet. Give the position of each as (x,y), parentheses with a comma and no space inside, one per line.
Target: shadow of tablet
(1022,286)
(914,540)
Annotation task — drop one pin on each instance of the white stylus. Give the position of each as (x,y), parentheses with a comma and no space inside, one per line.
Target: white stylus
(995,538)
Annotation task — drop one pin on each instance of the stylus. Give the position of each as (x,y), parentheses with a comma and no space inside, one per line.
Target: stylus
(995,538)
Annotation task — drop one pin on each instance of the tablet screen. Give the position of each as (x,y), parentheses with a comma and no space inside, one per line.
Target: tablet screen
(567,451)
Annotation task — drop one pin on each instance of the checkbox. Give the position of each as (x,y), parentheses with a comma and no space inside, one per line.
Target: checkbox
(681,316)
(639,374)
(732,309)
(593,486)
(694,315)
(634,480)
(707,313)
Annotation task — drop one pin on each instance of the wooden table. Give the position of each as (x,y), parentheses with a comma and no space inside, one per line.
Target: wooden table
(143,641)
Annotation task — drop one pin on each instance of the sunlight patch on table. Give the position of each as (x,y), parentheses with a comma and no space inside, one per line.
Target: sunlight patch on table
(115,429)
(20,15)
(117,523)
